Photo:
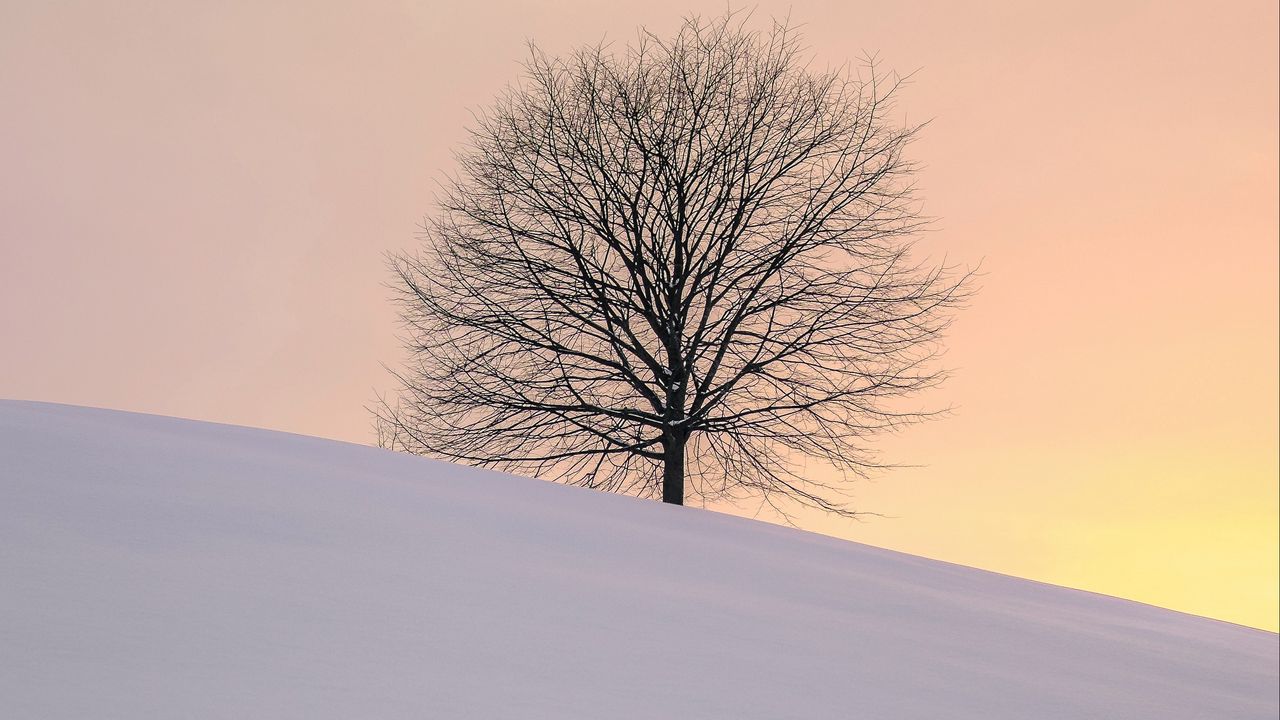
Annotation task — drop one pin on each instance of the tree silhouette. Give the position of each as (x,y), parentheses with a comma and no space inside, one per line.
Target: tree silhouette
(678,269)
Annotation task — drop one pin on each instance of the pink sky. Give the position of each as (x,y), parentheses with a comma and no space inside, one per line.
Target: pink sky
(195,199)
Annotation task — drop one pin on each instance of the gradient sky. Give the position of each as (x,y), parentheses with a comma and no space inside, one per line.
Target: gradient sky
(195,198)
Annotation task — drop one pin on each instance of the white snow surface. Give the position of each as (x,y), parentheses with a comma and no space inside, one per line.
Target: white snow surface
(160,568)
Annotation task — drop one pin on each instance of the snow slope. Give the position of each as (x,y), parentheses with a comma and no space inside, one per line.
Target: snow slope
(160,568)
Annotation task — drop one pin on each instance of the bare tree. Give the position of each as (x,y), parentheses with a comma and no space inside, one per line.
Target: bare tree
(678,268)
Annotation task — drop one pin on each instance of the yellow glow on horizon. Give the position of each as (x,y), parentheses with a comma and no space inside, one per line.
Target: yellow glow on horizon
(1144,524)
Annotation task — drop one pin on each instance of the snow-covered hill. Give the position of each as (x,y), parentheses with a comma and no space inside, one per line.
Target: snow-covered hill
(161,568)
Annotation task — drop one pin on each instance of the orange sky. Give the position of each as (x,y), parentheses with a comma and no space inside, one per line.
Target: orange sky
(195,197)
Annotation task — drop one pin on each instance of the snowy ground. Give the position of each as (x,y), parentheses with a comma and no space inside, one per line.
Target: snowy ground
(161,568)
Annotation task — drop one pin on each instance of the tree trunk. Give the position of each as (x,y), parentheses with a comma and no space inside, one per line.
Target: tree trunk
(673,470)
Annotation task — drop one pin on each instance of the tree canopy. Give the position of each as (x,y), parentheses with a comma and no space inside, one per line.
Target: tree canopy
(674,269)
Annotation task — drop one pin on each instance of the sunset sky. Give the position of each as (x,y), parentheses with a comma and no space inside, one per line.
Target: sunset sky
(195,201)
